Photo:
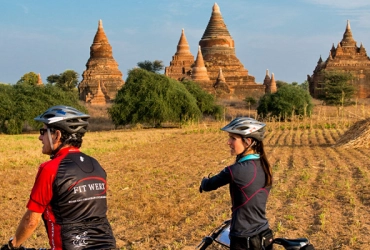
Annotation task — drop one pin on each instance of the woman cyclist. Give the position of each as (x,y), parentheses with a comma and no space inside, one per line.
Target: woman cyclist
(250,180)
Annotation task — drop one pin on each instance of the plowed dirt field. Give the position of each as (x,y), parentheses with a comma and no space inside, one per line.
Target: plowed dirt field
(320,192)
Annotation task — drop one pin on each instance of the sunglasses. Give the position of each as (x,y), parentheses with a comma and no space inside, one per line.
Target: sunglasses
(43,130)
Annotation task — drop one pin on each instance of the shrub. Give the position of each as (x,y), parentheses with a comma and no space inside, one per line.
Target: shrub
(153,99)
(289,100)
(205,101)
(21,103)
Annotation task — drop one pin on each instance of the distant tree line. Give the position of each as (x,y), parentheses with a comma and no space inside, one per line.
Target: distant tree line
(153,99)
(22,102)
(68,80)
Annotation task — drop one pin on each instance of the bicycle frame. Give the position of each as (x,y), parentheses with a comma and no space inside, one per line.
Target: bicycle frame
(220,235)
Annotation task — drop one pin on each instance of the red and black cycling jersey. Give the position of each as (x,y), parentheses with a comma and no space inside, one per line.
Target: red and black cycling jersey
(70,191)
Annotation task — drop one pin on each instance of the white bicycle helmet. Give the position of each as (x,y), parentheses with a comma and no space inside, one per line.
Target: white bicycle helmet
(67,118)
(246,127)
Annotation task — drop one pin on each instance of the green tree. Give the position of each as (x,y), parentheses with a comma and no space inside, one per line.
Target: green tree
(250,101)
(52,79)
(289,100)
(21,103)
(152,99)
(7,110)
(337,88)
(305,85)
(279,83)
(68,80)
(30,78)
(154,66)
(205,101)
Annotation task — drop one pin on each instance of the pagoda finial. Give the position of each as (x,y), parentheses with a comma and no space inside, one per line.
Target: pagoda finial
(39,80)
(220,76)
(216,8)
(199,62)
(100,25)
(330,56)
(267,72)
(320,60)
(348,40)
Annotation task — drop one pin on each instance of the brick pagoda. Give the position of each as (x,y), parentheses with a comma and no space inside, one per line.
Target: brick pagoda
(346,57)
(102,79)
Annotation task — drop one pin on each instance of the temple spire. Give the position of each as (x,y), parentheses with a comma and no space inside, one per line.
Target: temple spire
(320,60)
(267,79)
(220,85)
(183,45)
(348,40)
(99,97)
(216,26)
(182,61)
(199,62)
(199,70)
(220,76)
(216,8)
(39,80)
(273,87)
(100,65)
(100,36)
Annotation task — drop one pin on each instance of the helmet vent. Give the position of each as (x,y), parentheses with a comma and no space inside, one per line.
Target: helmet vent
(242,128)
(60,111)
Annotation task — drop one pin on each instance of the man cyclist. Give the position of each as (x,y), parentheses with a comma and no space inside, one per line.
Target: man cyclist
(69,192)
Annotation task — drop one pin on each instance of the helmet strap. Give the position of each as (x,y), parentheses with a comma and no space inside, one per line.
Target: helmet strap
(50,140)
(245,150)
(54,152)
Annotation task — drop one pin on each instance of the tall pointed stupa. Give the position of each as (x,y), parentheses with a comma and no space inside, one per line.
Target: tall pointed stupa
(99,97)
(101,71)
(221,87)
(180,66)
(346,57)
(39,80)
(270,83)
(199,71)
(273,87)
(218,52)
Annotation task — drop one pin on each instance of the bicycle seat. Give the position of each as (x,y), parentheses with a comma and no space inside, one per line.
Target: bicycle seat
(291,244)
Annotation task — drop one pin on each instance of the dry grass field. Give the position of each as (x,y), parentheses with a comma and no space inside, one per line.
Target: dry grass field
(320,191)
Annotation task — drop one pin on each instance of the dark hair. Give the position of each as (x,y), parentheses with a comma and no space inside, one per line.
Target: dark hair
(74,140)
(258,147)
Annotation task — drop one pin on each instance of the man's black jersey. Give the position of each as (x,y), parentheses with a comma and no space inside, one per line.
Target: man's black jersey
(70,192)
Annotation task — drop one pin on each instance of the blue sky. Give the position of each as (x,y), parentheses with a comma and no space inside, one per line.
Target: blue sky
(285,36)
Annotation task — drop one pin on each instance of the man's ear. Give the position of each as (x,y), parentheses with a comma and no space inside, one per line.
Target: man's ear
(58,135)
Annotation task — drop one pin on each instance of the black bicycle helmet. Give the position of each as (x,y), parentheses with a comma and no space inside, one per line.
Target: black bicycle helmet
(246,127)
(64,117)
